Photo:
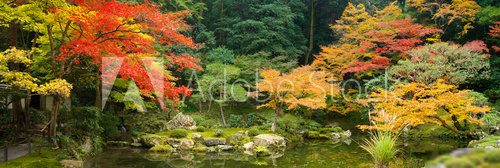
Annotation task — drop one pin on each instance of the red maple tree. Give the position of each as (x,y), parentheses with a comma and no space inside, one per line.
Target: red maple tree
(396,37)
(100,28)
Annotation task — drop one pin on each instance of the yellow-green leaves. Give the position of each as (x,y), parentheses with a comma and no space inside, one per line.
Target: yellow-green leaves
(15,78)
(20,80)
(415,104)
(56,87)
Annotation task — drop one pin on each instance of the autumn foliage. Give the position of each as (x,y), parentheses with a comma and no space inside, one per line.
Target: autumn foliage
(303,87)
(416,104)
(98,28)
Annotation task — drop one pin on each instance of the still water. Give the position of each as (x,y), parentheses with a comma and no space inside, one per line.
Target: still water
(311,155)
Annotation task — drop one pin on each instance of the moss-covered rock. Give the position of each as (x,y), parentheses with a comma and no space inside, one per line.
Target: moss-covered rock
(493,141)
(150,140)
(477,157)
(262,151)
(200,148)
(317,135)
(162,149)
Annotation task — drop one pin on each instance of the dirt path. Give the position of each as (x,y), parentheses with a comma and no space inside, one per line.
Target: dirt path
(14,152)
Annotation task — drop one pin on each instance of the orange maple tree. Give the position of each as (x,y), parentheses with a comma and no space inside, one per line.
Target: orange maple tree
(304,87)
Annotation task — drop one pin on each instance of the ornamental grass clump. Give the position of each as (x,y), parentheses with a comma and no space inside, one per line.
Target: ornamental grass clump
(382,147)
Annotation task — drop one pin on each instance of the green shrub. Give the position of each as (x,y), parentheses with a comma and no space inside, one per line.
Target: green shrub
(219,133)
(312,125)
(110,123)
(236,121)
(178,133)
(253,132)
(491,119)
(254,120)
(210,123)
(200,129)
(198,118)
(382,147)
(161,148)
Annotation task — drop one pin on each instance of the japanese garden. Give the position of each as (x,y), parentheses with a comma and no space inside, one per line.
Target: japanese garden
(249,83)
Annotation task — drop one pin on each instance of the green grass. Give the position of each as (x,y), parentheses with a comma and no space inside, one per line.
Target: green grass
(382,147)
(45,158)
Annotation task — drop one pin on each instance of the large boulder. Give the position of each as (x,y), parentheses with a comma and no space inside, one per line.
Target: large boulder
(214,141)
(269,140)
(181,121)
(181,144)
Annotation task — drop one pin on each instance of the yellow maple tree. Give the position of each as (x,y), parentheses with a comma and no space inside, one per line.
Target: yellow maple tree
(303,87)
(416,104)
(446,13)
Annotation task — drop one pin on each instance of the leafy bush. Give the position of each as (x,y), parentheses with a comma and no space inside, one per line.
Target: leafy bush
(110,124)
(219,133)
(178,133)
(150,122)
(198,118)
(312,125)
(253,132)
(491,119)
(210,123)
(254,120)
(236,121)
(161,148)
(382,147)
(200,129)
(220,55)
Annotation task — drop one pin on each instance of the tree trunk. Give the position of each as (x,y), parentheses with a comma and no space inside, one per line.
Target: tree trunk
(27,103)
(311,33)
(53,117)
(98,94)
(200,104)
(209,106)
(222,115)
(277,113)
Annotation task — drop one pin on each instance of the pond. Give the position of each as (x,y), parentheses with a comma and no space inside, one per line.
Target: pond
(311,154)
